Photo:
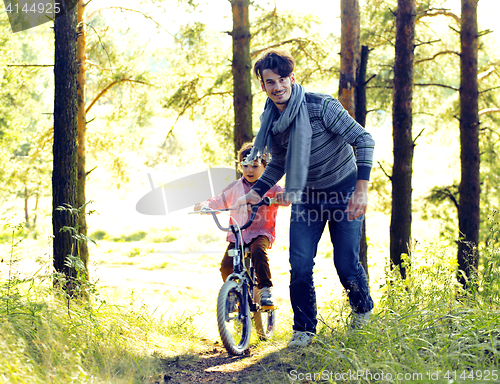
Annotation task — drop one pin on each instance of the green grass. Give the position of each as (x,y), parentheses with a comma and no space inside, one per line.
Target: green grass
(45,339)
(425,329)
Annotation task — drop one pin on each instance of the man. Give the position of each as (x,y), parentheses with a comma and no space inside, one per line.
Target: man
(311,137)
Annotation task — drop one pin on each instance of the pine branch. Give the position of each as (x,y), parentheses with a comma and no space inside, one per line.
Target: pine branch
(30,65)
(129,10)
(489,89)
(189,104)
(488,111)
(485,74)
(437,85)
(383,170)
(436,55)
(109,86)
(295,40)
(438,12)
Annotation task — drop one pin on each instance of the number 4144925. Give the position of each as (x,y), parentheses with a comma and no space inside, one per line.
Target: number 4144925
(33,8)
(485,375)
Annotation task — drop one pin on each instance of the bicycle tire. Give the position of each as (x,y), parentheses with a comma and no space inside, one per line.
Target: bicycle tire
(234,326)
(265,323)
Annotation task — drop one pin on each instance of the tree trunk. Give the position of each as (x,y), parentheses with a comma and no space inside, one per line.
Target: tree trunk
(352,87)
(469,189)
(64,174)
(349,54)
(242,73)
(83,249)
(361,119)
(401,215)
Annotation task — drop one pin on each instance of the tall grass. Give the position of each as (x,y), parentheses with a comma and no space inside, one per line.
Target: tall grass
(47,338)
(424,329)
(44,341)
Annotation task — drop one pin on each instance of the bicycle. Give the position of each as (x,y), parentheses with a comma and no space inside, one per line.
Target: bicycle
(236,299)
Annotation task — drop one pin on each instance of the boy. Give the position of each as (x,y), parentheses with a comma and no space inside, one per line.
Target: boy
(261,234)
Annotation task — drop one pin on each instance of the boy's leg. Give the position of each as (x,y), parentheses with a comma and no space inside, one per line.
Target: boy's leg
(258,250)
(306,227)
(226,265)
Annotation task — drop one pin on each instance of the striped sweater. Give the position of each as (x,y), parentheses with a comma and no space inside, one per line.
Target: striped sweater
(333,165)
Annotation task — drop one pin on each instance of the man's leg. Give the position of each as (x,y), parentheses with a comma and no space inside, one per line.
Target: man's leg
(306,227)
(345,236)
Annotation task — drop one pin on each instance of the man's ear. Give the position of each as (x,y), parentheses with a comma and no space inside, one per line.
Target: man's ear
(292,78)
(262,86)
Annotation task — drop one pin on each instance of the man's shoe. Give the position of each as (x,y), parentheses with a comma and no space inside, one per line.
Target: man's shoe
(301,339)
(266,298)
(359,320)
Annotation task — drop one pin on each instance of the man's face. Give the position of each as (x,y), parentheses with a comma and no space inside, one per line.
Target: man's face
(278,88)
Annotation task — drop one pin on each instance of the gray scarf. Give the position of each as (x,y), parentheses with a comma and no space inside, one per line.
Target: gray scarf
(298,152)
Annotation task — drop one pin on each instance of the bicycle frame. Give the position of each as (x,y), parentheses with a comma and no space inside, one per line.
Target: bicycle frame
(240,272)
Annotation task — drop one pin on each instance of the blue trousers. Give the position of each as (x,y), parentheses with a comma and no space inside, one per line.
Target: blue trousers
(307,222)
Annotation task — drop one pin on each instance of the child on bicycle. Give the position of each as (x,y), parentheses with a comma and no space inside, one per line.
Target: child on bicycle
(259,237)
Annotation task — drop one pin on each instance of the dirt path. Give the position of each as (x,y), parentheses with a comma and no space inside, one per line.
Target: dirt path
(217,366)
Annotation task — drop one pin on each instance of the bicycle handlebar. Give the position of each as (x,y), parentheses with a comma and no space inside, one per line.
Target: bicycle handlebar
(265,201)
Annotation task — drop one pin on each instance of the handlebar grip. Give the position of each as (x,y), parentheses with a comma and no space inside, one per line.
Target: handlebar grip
(267,200)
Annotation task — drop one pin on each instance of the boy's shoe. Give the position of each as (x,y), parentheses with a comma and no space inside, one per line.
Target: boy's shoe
(359,320)
(266,298)
(301,339)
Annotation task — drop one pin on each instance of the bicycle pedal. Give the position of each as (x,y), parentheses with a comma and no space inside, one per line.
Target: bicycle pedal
(268,307)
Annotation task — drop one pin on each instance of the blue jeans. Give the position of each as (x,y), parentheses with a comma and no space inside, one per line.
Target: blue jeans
(307,222)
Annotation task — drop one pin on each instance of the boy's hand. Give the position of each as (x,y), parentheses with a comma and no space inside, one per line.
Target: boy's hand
(200,207)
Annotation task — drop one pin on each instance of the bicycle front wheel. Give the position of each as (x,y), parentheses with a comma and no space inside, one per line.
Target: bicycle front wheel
(233,319)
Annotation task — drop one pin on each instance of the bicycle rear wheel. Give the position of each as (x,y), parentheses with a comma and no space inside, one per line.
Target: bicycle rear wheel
(232,319)
(265,321)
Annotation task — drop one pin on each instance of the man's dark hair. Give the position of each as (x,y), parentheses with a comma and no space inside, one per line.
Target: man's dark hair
(280,62)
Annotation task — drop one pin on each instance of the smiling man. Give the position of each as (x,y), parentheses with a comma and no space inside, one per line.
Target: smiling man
(278,87)
(311,137)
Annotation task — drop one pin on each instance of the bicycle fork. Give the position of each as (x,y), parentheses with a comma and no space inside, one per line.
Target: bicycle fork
(245,274)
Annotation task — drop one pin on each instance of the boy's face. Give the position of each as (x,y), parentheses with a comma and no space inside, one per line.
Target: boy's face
(251,172)
(278,88)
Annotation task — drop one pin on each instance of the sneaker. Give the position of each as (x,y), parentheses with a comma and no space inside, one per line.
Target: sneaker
(266,298)
(359,320)
(301,339)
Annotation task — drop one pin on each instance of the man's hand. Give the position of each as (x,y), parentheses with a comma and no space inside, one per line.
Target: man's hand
(358,201)
(281,198)
(241,204)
